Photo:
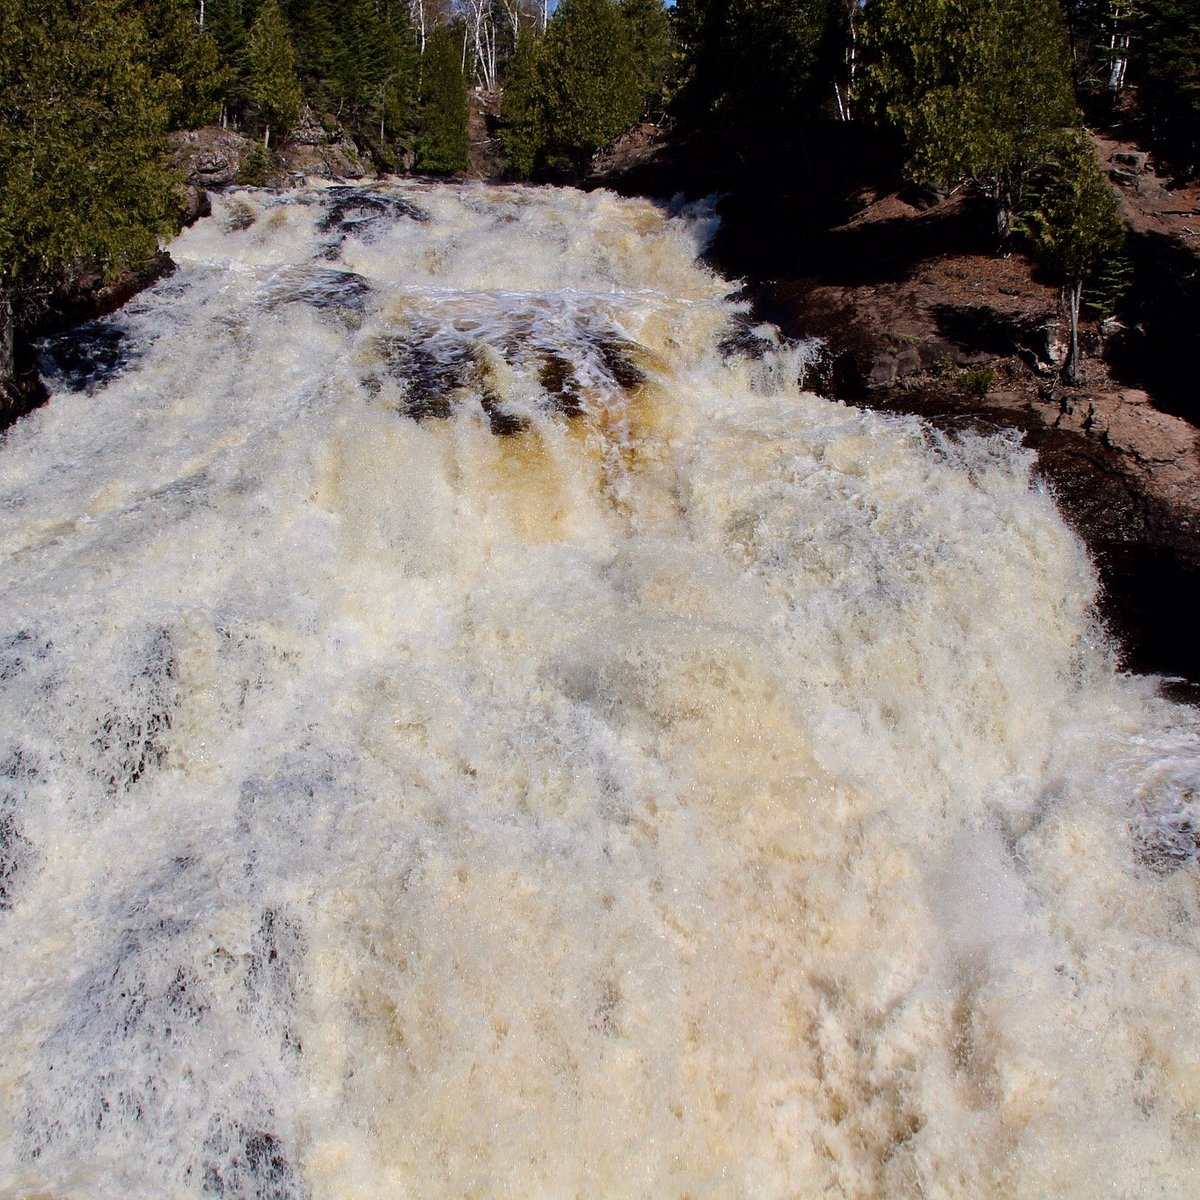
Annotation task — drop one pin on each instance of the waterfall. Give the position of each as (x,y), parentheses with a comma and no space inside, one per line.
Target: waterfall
(474,724)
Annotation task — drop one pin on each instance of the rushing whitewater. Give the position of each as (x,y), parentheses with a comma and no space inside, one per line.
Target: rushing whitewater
(474,725)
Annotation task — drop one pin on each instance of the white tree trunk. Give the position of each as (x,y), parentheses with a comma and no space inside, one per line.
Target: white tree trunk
(1073,295)
(1119,45)
(7,354)
(417,13)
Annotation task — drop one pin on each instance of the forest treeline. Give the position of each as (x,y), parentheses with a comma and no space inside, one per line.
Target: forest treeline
(983,93)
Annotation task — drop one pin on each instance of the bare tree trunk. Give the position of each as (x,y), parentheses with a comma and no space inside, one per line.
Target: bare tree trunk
(1072,296)
(845,95)
(8,368)
(1118,47)
(417,11)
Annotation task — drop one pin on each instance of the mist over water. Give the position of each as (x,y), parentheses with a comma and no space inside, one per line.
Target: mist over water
(471,730)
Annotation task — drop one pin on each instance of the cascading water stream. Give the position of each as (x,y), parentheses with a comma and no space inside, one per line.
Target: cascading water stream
(469,730)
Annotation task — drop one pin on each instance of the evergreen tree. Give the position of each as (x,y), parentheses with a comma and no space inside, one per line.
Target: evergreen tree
(1073,228)
(522,109)
(185,60)
(652,48)
(311,28)
(273,84)
(82,148)
(755,70)
(442,140)
(593,86)
(1167,69)
(375,73)
(980,89)
(600,66)
(228,24)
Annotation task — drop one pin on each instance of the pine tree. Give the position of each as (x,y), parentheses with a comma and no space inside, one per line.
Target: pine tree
(228,25)
(980,89)
(185,60)
(1166,64)
(652,48)
(82,148)
(273,84)
(311,28)
(756,70)
(442,140)
(1073,228)
(522,109)
(593,87)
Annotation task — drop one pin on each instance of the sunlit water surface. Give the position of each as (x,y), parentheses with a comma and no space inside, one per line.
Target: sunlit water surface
(474,725)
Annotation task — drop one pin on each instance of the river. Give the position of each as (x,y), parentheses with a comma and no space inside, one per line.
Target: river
(475,725)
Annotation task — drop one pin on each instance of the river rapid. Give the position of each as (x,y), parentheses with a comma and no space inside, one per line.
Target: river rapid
(475,725)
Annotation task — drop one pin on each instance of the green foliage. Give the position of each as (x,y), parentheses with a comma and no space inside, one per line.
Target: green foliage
(442,141)
(652,47)
(375,71)
(82,150)
(310,24)
(980,89)
(977,381)
(1072,226)
(256,168)
(185,60)
(756,69)
(227,23)
(591,79)
(1108,284)
(273,84)
(1166,65)
(522,110)
(599,68)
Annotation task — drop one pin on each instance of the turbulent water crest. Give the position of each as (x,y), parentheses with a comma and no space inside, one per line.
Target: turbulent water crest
(470,729)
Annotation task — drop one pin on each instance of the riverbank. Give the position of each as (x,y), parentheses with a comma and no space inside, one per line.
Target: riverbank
(919,315)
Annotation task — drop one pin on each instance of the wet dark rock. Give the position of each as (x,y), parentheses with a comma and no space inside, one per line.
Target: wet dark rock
(433,363)
(194,204)
(320,287)
(89,356)
(240,216)
(87,293)
(502,421)
(742,338)
(560,383)
(617,356)
(364,214)
(428,379)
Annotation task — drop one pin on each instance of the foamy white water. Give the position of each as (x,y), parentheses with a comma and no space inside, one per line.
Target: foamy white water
(464,734)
